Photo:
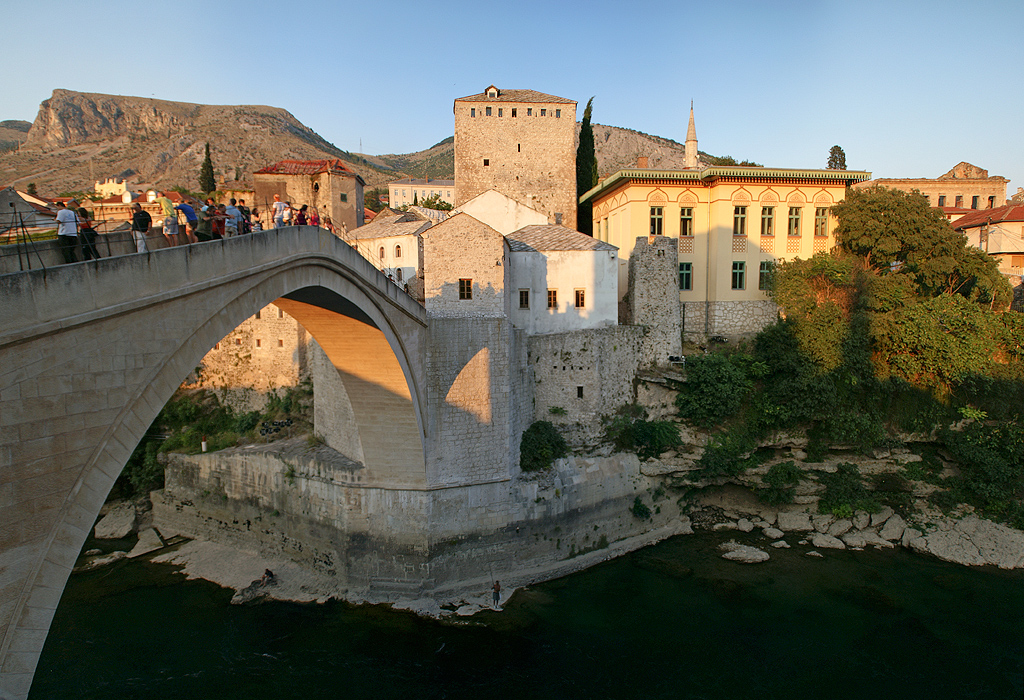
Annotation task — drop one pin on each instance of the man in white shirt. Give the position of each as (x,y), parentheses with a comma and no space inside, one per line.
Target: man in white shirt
(278,208)
(233,224)
(67,231)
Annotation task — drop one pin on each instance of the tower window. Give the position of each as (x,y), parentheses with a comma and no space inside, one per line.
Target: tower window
(543,113)
(487,162)
(499,111)
(529,111)
(558,114)
(488,111)
(472,111)
(513,111)
(579,392)
(344,197)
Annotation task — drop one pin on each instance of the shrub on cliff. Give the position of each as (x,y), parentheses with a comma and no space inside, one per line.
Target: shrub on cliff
(629,431)
(717,386)
(991,461)
(845,493)
(540,446)
(780,484)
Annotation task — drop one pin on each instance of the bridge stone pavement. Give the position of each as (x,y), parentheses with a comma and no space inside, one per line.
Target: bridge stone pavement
(90,353)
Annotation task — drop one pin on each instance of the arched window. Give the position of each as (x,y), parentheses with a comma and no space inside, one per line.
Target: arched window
(398,251)
(382,252)
(398,274)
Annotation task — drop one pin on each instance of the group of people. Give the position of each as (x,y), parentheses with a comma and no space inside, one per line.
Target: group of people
(284,214)
(210,222)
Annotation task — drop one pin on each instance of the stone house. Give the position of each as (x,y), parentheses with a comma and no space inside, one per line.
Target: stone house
(561,280)
(501,213)
(965,188)
(521,143)
(328,186)
(393,243)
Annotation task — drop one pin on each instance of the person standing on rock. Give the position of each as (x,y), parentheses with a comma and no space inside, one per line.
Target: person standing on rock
(496,594)
(141,221)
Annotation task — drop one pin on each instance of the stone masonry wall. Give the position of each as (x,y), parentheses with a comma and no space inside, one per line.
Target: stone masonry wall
(602,362)
(654,296)
(463,248)
(266,352)
(731,319)
(531,159)
(469,400)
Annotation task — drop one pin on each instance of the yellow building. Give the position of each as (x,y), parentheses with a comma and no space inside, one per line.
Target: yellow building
(732,223)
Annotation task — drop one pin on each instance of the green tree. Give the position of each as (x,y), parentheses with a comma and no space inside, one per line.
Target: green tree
(32,189)
(207,181)
(896,232)
(836,159)
(371,199)
(586,170)
(434,201)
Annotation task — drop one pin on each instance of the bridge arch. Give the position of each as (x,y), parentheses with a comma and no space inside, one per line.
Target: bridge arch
(93,351)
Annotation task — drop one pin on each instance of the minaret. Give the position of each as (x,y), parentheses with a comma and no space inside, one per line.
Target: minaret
(691,142)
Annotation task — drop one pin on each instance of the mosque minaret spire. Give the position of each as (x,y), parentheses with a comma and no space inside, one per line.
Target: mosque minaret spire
(691,142)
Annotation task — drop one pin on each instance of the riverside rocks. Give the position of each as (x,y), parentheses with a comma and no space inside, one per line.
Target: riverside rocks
(826,541)
(794,522)
(118,523)
(744,554)
(973,541)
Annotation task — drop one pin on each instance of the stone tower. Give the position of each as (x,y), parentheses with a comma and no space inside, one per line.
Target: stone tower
(691,142)
(521,143)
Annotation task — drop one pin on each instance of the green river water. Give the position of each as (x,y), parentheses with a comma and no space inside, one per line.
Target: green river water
(670,621)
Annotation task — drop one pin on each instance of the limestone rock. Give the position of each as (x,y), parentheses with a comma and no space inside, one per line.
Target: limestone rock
(881,516)
(724,526)
(93,552)
(826,541)
(974,542)
(685,526)
(118,523)
(744,525)
(839,527)
(798,454)
(795,522)
(881,453)
(909,535)
(907,458)
(861,520)
(744,554)
(854,539)
(821,522)
(893,528)
(871,537)
(149,541)
(812,553)
(773,533)
(780,544)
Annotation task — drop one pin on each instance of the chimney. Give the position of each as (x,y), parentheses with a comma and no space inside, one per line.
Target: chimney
(641,161)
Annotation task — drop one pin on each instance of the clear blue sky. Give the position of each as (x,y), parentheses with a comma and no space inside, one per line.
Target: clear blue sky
(907,89)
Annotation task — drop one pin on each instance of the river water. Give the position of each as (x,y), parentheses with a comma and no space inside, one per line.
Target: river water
(670,621)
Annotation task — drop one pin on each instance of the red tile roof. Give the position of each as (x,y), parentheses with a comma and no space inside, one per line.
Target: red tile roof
(306,167)
(977,217)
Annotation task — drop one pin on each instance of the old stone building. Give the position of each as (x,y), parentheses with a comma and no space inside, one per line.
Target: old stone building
(521,143)
(732,224)
(410,190)
(325,185)
(963,189)
(500,212)
(393,243)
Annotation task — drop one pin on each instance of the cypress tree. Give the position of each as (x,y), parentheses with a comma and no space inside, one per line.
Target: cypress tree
(586,170)
(207,182)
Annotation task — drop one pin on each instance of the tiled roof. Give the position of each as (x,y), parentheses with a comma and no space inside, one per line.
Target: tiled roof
(390,226)
(517,96)
(306,167)
(417,181)
(1008,212)
(552,237)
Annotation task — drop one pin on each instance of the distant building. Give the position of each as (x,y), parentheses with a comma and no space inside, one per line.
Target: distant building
(394,245)
(328,186)
(1000,233)
(111,186)
(732,224)
(963,189)
(409,190)
(521,143)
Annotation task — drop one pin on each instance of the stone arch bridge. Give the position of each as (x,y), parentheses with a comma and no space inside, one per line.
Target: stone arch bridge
(90,353)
